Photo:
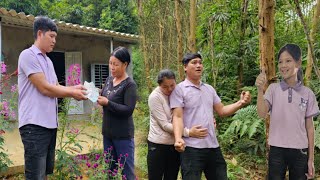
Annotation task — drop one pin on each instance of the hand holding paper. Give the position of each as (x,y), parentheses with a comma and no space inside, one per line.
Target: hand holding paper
(92,91)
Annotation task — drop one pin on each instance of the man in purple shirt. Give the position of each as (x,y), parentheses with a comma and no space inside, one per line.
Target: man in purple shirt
(38,92)
(194,103)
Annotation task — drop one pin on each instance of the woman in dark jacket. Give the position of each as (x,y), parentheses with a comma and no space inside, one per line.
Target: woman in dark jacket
(118,98)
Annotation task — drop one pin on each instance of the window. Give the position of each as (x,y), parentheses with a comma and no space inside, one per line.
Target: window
(99,74)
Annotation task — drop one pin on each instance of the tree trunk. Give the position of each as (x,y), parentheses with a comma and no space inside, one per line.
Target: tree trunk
(169,25)
(211,52)
(243,27)
(315,24)
(192,36)
(169,48)
(266,47)
(310,43)
(161,43)
(144,46)
(179,39)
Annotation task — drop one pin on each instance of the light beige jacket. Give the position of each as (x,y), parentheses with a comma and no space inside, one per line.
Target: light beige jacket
(161,129)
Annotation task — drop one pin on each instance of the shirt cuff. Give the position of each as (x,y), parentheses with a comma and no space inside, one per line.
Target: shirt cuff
(186,132)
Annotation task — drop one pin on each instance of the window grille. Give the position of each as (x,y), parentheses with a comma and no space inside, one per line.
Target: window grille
(99,74)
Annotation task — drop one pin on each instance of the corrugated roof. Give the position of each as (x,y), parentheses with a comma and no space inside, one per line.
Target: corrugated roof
(20,19)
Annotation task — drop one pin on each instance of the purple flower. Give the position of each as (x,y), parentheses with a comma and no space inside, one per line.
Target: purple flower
(107,161)
(4,107)
(124,177)
(115,171)
(81,157)
(95,165)
(121,165)
(74,75)
(88,164)
(14,88)
(12,114)
(126,154)
(97,157)
(3,68)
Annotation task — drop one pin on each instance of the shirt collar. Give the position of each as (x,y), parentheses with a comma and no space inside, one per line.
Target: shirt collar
(36,50)
(188,83)
(284,86)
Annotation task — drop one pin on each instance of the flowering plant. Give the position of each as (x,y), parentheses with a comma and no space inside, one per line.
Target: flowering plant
(74,75)
(100,165)
(68,141)
(7,110)
(3,68)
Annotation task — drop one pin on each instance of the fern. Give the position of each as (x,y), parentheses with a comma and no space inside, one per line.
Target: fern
(253,128)
(246,132)
(246,122)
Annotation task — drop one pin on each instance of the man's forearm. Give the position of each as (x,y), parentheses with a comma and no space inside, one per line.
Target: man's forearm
(231,109)
(51,90)
(177,127)
(58,91)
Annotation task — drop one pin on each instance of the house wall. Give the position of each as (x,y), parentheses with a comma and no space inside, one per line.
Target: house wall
(94,50)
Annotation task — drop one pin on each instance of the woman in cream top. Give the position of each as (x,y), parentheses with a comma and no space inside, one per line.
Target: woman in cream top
(163,160)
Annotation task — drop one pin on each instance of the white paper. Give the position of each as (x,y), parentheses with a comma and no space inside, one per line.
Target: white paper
(93,92)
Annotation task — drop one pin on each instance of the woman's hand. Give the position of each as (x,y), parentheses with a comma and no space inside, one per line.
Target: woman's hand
(198,132)
(103,101)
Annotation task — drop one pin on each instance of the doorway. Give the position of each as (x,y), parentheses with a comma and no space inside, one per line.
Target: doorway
(58,60)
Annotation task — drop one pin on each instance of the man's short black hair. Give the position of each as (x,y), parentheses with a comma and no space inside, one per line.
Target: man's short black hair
(189,56)
(43,24)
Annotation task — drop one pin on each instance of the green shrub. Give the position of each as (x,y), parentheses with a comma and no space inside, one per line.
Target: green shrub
(246,132)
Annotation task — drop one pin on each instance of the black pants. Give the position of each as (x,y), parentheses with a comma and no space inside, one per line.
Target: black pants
(39,150)
(194,161)
(163,162)
(281,159)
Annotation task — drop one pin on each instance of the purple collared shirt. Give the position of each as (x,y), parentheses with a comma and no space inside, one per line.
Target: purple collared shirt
(289,108)
(197,104)
(34,107)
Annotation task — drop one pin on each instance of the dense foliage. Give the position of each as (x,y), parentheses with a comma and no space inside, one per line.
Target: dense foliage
(117,15)
(228,39)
